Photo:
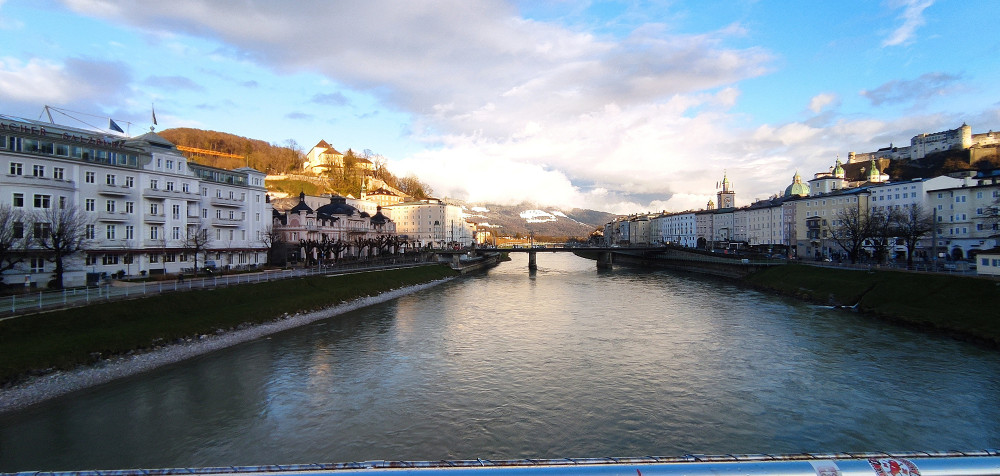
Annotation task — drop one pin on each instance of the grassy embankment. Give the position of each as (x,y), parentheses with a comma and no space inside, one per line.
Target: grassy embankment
(68,338)
(964,306)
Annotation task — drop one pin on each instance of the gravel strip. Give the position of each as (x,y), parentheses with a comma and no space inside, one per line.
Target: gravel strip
(39,389)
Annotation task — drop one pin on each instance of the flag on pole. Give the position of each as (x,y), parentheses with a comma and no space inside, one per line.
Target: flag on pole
(154,114)
(115,127)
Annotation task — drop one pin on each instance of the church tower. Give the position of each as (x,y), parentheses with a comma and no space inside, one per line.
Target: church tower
(726,197)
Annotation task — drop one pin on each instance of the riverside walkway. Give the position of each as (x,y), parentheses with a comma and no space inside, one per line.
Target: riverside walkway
(112,290)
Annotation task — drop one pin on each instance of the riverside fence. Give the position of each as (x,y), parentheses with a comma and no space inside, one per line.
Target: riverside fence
(33,302)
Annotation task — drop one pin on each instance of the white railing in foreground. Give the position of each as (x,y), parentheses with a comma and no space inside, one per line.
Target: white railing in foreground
(952,463)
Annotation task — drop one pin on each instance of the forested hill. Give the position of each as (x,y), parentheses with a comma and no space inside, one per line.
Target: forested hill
(268,158)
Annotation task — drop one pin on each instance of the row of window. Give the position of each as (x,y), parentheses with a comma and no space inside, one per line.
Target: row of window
(39,200)
(42,147)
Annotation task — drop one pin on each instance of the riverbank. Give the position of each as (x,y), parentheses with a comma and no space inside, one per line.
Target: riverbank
(965,307)
(52,354)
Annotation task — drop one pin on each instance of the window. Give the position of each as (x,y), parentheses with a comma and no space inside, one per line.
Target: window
(58,173)
(110,179)
(218,193)
(16,168)
(62,203)
(154,209)
(88,177)
(110,206)
(42,230)
(43,201)
(169,258)
(90,232)
(18,200)
(185,188)
(18,230)
(109,259)
(170,164)
(38,170)
(176,211)
(153,184)
(204,213)
(154,233)
(37,265)
(176,233)
(91,260)
(110,232)
(129,232)
(130,207)
(170,186)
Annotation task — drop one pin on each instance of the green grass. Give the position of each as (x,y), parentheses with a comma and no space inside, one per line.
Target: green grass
(68,338)
(966,306)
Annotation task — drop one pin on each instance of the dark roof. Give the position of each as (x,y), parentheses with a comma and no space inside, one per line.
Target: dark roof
(302,205)
(337,206)
(379,218)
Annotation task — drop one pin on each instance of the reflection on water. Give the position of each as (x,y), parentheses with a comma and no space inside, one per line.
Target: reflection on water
(564,362)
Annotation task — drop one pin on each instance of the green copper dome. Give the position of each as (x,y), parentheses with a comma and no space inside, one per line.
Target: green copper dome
(798,187)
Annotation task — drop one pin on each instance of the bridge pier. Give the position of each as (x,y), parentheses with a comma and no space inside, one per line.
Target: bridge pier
(532,260)
(605,260)
(455,261)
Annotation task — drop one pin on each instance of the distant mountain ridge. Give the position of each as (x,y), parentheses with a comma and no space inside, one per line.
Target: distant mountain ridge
(525,218)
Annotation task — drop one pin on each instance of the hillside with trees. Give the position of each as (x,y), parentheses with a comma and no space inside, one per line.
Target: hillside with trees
(287,159)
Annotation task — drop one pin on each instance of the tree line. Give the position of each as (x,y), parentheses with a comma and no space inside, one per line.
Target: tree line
(288,157)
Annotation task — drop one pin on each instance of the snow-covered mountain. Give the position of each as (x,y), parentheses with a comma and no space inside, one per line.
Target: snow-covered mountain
(528,217)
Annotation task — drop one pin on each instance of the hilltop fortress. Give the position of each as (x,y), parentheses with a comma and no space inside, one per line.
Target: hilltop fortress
(922,145)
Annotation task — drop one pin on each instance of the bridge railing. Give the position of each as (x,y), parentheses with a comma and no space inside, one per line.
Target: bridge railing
(976,463)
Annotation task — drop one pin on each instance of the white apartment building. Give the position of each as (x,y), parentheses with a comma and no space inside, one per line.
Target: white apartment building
(431,222)
(139,199)
(961,215)
(765,224)
(906,194)
(677,229)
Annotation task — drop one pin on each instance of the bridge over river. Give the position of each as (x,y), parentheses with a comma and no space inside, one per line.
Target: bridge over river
(664,256)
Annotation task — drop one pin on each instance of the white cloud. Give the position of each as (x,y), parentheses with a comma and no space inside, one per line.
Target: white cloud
(913,18)
(820,101)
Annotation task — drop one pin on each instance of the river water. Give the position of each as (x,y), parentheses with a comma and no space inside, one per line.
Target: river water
(567,361)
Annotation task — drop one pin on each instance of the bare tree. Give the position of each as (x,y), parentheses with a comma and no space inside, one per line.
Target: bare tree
(61,232)
(850,229)
(882,231)
(196,242)
(992,222)
(912,224)
(274,241)
(13,240)
(309,247)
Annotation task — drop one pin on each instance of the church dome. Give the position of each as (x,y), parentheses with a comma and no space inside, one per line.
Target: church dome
(797,188)
(838,169)
(337,206)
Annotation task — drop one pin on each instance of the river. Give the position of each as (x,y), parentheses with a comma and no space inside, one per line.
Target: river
(568,361)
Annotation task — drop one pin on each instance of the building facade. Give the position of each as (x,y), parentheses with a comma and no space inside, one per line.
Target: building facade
(138,201)
(431,223)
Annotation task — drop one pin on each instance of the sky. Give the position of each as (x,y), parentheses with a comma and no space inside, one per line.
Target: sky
(624,107)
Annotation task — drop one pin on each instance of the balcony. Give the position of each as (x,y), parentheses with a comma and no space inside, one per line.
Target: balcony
(113,190)
(156,193)
(154,218)
(226,222)
(116,217)
(32,181)
(227,202)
